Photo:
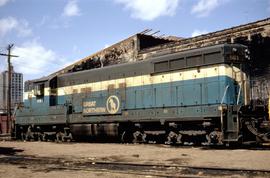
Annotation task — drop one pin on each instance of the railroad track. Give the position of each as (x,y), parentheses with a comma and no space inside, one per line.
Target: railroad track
(48,164)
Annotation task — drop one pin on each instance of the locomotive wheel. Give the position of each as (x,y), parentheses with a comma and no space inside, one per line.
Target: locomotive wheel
(23,136)
(40,137)
(127,137)
(124,137)
(29,134)
(44,137)
(139,137)
(214,137)
(179,139)
(173,138)
(69,137)
(59,137)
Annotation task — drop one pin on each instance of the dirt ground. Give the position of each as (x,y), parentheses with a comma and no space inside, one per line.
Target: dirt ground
(42,159)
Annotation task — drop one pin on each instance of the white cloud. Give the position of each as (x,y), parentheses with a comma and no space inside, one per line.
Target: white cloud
(24,29)
(43,21)
(59,23)
(76,49)
(71,9)
(198,32)
(204,7)
(54,22)
(3,2)
(150,9)
(9,24)
(35,60)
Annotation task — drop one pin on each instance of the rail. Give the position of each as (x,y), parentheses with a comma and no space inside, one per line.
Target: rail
(130,168)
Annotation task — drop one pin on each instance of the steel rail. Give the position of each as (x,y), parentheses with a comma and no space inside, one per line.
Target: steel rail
(181,166)
(94,164)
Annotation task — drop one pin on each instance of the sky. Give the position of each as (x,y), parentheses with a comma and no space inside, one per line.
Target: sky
(49,35)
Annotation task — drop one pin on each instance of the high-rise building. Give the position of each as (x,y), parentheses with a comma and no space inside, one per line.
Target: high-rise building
(16,89)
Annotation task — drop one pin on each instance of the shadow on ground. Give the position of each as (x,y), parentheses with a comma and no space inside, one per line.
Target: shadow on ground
(9,151)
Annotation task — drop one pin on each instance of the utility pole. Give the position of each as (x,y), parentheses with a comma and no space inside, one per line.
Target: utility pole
(9,83)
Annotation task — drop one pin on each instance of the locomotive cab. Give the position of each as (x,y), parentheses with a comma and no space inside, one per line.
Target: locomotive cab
(41,116)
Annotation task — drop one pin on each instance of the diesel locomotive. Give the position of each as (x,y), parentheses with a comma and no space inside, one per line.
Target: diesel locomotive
(200,96)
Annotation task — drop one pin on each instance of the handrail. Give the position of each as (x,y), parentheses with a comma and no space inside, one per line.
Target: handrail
(238,95)
(225,92)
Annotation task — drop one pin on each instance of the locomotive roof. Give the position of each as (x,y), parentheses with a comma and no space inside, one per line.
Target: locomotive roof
(145,66)
(159,58)
(212,55)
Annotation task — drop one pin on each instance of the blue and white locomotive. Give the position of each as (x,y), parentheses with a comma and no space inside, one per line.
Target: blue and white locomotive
(199,95)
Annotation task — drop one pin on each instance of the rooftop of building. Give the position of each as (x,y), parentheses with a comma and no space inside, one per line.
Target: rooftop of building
(147,44)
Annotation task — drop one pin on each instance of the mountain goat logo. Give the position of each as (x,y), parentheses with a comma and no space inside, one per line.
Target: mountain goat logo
(112,104)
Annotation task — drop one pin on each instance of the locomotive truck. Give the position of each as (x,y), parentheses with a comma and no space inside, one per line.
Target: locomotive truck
(200,96)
